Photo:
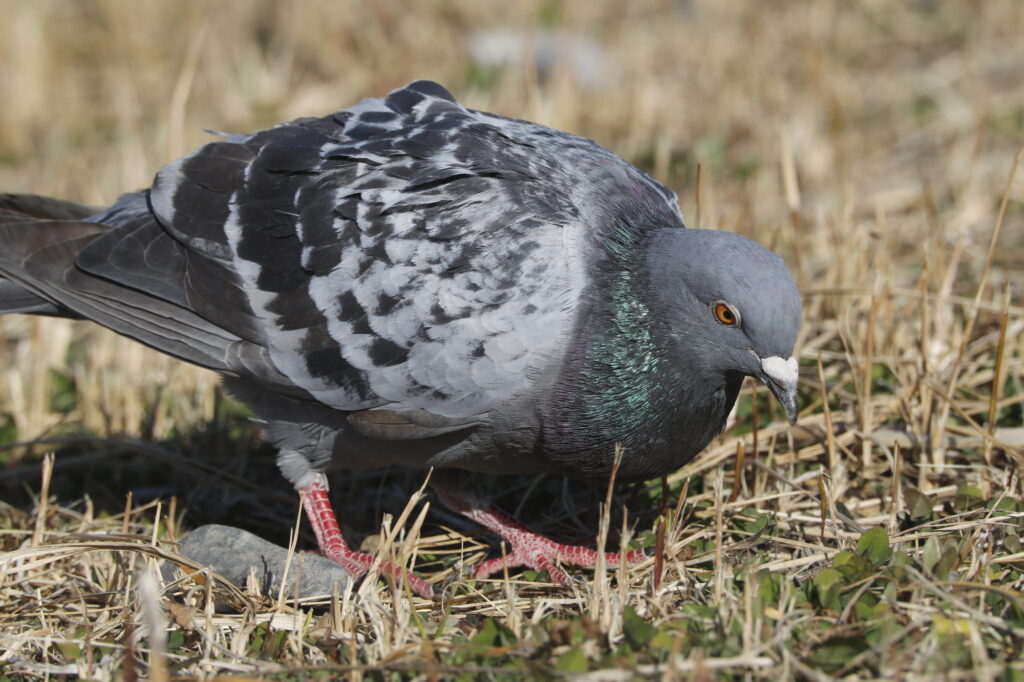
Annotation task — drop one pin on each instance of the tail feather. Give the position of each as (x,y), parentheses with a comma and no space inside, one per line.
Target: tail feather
(45,208)
(42,272)
(22,208)
(39,259)
(15,299)
(31,235)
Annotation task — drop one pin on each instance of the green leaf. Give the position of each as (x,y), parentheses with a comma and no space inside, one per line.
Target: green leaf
(1013,675)
(1005,504)
(8,433)
(940,557)
(874,545)
(837,652)
(898,567)
(769,587)
(637,631)
(700,611)
(882,629)
(842,558)
(853,566)
(663,639)
(968,497)
(175,640)
(869,608)
(572,661)
(949,561)
(952,636)
(493,633)
(64,393)
(932,553)
(752,521)
(918,505)
(258,637)
(827,583)
(70,651)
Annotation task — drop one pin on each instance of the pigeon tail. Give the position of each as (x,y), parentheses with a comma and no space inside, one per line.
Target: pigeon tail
(15,299)
(32,213)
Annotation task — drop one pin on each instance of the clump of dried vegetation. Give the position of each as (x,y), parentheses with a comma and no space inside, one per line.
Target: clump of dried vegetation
(871,144)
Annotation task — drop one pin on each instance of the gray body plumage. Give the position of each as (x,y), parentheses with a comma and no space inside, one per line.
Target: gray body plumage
(411,282)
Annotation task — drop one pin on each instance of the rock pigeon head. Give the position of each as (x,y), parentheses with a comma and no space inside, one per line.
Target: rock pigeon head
(731,306)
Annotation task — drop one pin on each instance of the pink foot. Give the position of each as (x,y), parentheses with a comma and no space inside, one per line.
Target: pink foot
(527,547)
(333,545)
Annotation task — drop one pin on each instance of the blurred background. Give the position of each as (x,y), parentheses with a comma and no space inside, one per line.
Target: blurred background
(869,143)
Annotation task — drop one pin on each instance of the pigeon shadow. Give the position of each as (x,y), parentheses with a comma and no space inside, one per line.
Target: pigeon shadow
(222,472)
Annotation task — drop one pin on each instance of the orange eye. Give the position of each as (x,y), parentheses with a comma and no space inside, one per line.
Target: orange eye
(725,314)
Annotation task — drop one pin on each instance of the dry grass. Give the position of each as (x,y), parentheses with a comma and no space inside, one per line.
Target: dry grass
(872,144)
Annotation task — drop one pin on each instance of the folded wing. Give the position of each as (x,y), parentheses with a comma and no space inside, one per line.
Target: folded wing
(403,254)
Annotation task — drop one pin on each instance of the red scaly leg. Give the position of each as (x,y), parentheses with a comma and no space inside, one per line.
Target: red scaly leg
(528,548)
(333,546)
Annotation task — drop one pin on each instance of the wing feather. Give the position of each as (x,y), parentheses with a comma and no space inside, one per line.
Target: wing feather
(406,254)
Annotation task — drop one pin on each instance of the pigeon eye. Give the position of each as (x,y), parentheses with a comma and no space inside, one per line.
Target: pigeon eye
(726,315)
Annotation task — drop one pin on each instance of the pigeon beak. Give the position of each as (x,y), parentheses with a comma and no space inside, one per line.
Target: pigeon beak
(780,376)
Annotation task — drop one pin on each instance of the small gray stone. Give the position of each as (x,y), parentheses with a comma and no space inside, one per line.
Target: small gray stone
(231,552)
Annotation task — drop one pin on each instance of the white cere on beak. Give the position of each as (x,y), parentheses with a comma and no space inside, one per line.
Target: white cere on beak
(782,372)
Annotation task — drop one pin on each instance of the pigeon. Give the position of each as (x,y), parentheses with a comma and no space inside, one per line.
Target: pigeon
(410,282)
